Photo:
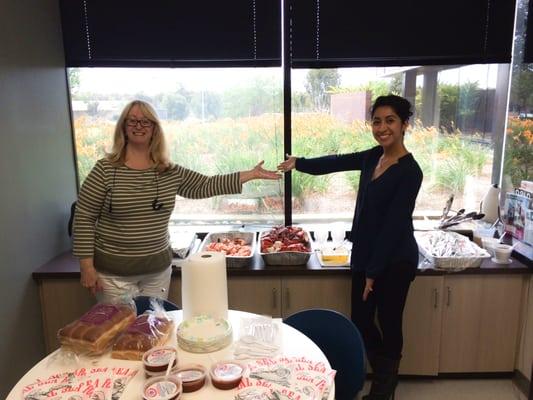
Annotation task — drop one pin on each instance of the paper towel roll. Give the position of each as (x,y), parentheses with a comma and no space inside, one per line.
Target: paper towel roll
(204,286)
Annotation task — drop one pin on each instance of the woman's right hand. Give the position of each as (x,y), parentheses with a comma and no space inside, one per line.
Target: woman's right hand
(89,276)
(288,164)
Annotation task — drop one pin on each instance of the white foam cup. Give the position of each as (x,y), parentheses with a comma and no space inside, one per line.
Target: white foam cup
(502,252)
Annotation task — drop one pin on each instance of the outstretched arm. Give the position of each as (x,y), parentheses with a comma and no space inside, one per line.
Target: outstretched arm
(288,164)
(323,165)
(258,172)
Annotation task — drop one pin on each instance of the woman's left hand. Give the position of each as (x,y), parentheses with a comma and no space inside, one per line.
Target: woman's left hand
(368,288)
(258,172)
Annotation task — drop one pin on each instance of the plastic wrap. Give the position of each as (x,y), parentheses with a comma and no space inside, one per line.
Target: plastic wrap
(260,337)
(149,330)
(449,251)
(95,330)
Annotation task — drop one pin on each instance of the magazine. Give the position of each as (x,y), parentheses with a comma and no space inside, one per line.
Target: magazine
(514,215)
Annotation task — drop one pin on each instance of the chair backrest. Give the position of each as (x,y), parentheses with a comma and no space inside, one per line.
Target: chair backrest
(142,303)
(342,344)
(71,218)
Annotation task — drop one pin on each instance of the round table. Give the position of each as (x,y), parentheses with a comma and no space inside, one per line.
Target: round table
(293,343)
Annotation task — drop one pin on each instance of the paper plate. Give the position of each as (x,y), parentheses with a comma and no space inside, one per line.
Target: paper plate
(204,334)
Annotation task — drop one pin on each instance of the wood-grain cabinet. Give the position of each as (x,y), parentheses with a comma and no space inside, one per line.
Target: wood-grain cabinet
(452,323)
(461,323)
(283,296)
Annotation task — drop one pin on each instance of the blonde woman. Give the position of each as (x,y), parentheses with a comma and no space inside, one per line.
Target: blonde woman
(121,220)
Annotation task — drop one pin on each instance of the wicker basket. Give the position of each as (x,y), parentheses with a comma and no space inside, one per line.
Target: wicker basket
(232,261)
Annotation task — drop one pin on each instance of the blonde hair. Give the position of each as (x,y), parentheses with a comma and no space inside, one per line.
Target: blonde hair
(158,145)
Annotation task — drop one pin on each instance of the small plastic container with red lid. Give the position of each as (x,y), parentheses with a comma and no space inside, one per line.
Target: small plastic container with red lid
(162,388)
(156,359)
(227,375)
(192,377)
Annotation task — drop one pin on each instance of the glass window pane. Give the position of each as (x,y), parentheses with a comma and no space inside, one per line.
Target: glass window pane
(452,134)
(215,121)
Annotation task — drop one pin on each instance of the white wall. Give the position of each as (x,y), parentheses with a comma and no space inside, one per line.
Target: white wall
(37,175)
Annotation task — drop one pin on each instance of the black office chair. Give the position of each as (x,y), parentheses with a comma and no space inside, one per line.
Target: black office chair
(143,303)
(71,218)
(342,344)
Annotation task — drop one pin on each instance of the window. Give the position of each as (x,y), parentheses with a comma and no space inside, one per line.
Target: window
(215,121)
(228,116)
(452,132)
(518,142)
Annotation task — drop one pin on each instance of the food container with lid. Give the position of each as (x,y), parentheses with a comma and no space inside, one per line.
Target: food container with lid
(227,374)
(334,256)
(157,358)
(192,377)
(162,388)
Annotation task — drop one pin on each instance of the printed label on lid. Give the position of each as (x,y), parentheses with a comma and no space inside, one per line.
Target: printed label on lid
(228,371)
(161,390)
(99,314)
(190,375)
(159,356)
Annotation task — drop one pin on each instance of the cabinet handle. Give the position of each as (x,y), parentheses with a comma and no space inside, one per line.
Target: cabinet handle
(448,301)
(435,298)
(274,298)
(287,298)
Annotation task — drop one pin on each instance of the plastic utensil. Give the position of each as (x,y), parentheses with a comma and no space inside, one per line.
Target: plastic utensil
(170,364)
(250,340)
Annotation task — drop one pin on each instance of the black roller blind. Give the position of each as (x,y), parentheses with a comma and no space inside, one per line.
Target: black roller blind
(171,33)
(337,33)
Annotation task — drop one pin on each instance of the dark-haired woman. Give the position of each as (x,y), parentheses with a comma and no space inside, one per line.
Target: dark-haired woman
(385,254)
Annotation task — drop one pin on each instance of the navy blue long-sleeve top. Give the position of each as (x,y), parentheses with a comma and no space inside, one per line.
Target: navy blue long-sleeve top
(382,229)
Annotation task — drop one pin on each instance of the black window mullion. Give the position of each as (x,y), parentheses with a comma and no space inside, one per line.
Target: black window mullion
(287,109)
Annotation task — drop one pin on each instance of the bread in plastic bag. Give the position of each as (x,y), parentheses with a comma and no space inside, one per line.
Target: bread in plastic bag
(150,329)
(95,330)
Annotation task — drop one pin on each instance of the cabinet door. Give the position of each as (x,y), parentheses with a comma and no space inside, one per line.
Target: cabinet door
(422,327)
(525,352)
(480,323)
(257,295)
(174,293)
(62,301)
(300,293)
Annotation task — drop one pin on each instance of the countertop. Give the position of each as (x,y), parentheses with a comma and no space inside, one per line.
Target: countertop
(66,266)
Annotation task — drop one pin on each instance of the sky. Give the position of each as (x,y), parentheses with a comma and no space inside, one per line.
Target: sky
(158,80)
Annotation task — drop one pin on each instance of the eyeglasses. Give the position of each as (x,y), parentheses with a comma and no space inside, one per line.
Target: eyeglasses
(145,123)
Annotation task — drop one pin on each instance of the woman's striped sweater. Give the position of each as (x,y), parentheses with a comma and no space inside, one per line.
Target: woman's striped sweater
(114,213)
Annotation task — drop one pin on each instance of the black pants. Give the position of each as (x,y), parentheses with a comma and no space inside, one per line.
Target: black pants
(388,299)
